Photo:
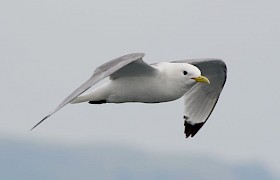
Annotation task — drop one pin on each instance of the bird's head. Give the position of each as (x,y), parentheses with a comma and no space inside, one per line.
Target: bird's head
(188,74)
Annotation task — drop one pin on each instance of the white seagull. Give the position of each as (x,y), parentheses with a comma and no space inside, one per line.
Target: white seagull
(133,80)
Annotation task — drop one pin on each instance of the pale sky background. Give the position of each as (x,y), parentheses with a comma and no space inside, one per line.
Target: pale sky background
(49,47)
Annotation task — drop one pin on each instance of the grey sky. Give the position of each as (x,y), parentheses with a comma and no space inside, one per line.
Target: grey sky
(48,48)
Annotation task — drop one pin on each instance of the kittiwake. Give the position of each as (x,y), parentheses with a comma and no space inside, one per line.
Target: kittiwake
(200,81)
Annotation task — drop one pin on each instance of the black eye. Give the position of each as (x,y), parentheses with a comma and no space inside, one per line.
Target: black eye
(185,72)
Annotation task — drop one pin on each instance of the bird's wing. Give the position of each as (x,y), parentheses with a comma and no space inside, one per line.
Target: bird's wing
(201,99)
(136,68)
(110,68)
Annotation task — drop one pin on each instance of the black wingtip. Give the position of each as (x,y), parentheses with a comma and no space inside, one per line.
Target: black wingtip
(39,122)
(192,129)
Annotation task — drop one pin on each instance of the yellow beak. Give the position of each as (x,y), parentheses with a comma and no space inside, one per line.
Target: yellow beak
(202,79)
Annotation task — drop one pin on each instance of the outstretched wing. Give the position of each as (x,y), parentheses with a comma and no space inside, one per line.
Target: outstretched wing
(100,73)
(202,98)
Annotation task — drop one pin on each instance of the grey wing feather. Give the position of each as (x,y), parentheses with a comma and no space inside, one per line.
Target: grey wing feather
(136,68)
(100,73)
(202,98)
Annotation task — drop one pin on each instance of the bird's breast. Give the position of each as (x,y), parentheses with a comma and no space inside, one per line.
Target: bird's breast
(142,89)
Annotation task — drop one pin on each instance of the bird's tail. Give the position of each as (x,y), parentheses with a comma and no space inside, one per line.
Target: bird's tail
(80,99)
(100,93)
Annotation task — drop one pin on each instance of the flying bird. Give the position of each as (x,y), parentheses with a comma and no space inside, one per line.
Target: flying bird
(199,81)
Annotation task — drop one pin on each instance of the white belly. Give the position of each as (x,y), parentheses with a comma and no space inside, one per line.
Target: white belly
(139,89)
